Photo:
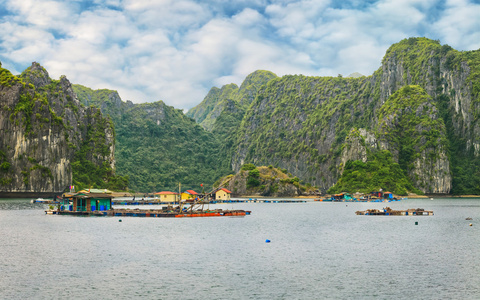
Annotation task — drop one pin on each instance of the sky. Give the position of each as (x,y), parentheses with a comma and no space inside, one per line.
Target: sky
(177,50)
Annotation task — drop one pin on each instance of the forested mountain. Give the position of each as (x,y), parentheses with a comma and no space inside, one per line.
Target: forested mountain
(48,140)
(157,146)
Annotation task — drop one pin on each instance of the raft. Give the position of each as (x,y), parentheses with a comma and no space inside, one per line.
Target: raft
(387,211)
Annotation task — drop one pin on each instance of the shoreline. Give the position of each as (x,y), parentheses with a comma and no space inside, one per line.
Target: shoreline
(128,194)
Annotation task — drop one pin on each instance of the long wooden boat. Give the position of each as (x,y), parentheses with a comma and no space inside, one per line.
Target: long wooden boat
(155,213)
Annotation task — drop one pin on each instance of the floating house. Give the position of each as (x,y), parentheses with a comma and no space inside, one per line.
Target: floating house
(90,202)
(384,195)
(188,194)
(167,196)
(221,194)
(343,197)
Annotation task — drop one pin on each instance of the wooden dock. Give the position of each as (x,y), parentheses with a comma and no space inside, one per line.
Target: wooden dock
(257,201)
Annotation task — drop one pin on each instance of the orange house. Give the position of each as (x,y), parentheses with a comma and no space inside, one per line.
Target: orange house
(189,194)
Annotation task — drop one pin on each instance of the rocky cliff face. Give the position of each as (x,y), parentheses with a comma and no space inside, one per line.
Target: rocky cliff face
(42,126)
(356,145)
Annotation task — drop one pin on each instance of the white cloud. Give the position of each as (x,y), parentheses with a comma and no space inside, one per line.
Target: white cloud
(42,14)
(177,50)
(459,25)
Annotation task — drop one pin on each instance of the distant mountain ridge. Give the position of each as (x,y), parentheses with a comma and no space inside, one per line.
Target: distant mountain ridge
(217,99)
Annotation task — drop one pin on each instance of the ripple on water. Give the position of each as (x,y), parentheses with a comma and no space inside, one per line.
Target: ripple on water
(317,250)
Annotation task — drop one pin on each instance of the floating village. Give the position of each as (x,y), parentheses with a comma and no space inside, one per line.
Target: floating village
(94,202)
(97,202)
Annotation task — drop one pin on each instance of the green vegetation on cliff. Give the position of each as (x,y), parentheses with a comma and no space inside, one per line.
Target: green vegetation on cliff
(157,146)
(160,149)
(379,172)
(86,173)
(408,122)
(291,117)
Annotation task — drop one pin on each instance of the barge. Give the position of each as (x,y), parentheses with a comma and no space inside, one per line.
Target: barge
(153,213)
(387,211)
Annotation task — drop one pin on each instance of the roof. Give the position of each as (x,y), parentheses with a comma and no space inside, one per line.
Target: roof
(191,192)
(166,193)
(225,190)
(96,191)
(92,195)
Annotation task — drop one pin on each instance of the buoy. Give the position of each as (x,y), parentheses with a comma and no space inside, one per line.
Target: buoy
(471,224)
(267,241)
(120,220)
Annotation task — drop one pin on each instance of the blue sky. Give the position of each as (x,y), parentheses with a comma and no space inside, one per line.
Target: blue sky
(176,50)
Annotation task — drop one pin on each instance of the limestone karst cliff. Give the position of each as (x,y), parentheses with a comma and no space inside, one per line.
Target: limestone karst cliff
(44,130)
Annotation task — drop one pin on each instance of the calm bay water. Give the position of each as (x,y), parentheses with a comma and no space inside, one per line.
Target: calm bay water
(317,251)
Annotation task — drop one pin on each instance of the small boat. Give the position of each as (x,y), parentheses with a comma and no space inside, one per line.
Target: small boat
(41,200)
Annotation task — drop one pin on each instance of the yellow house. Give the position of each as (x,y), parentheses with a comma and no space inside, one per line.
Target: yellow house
(222,194)
(167,196)
(189,194)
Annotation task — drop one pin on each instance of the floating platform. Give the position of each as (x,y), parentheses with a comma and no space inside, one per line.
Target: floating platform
(257,201)
(153,202)
(141,202)
(153,213)
(387,211)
